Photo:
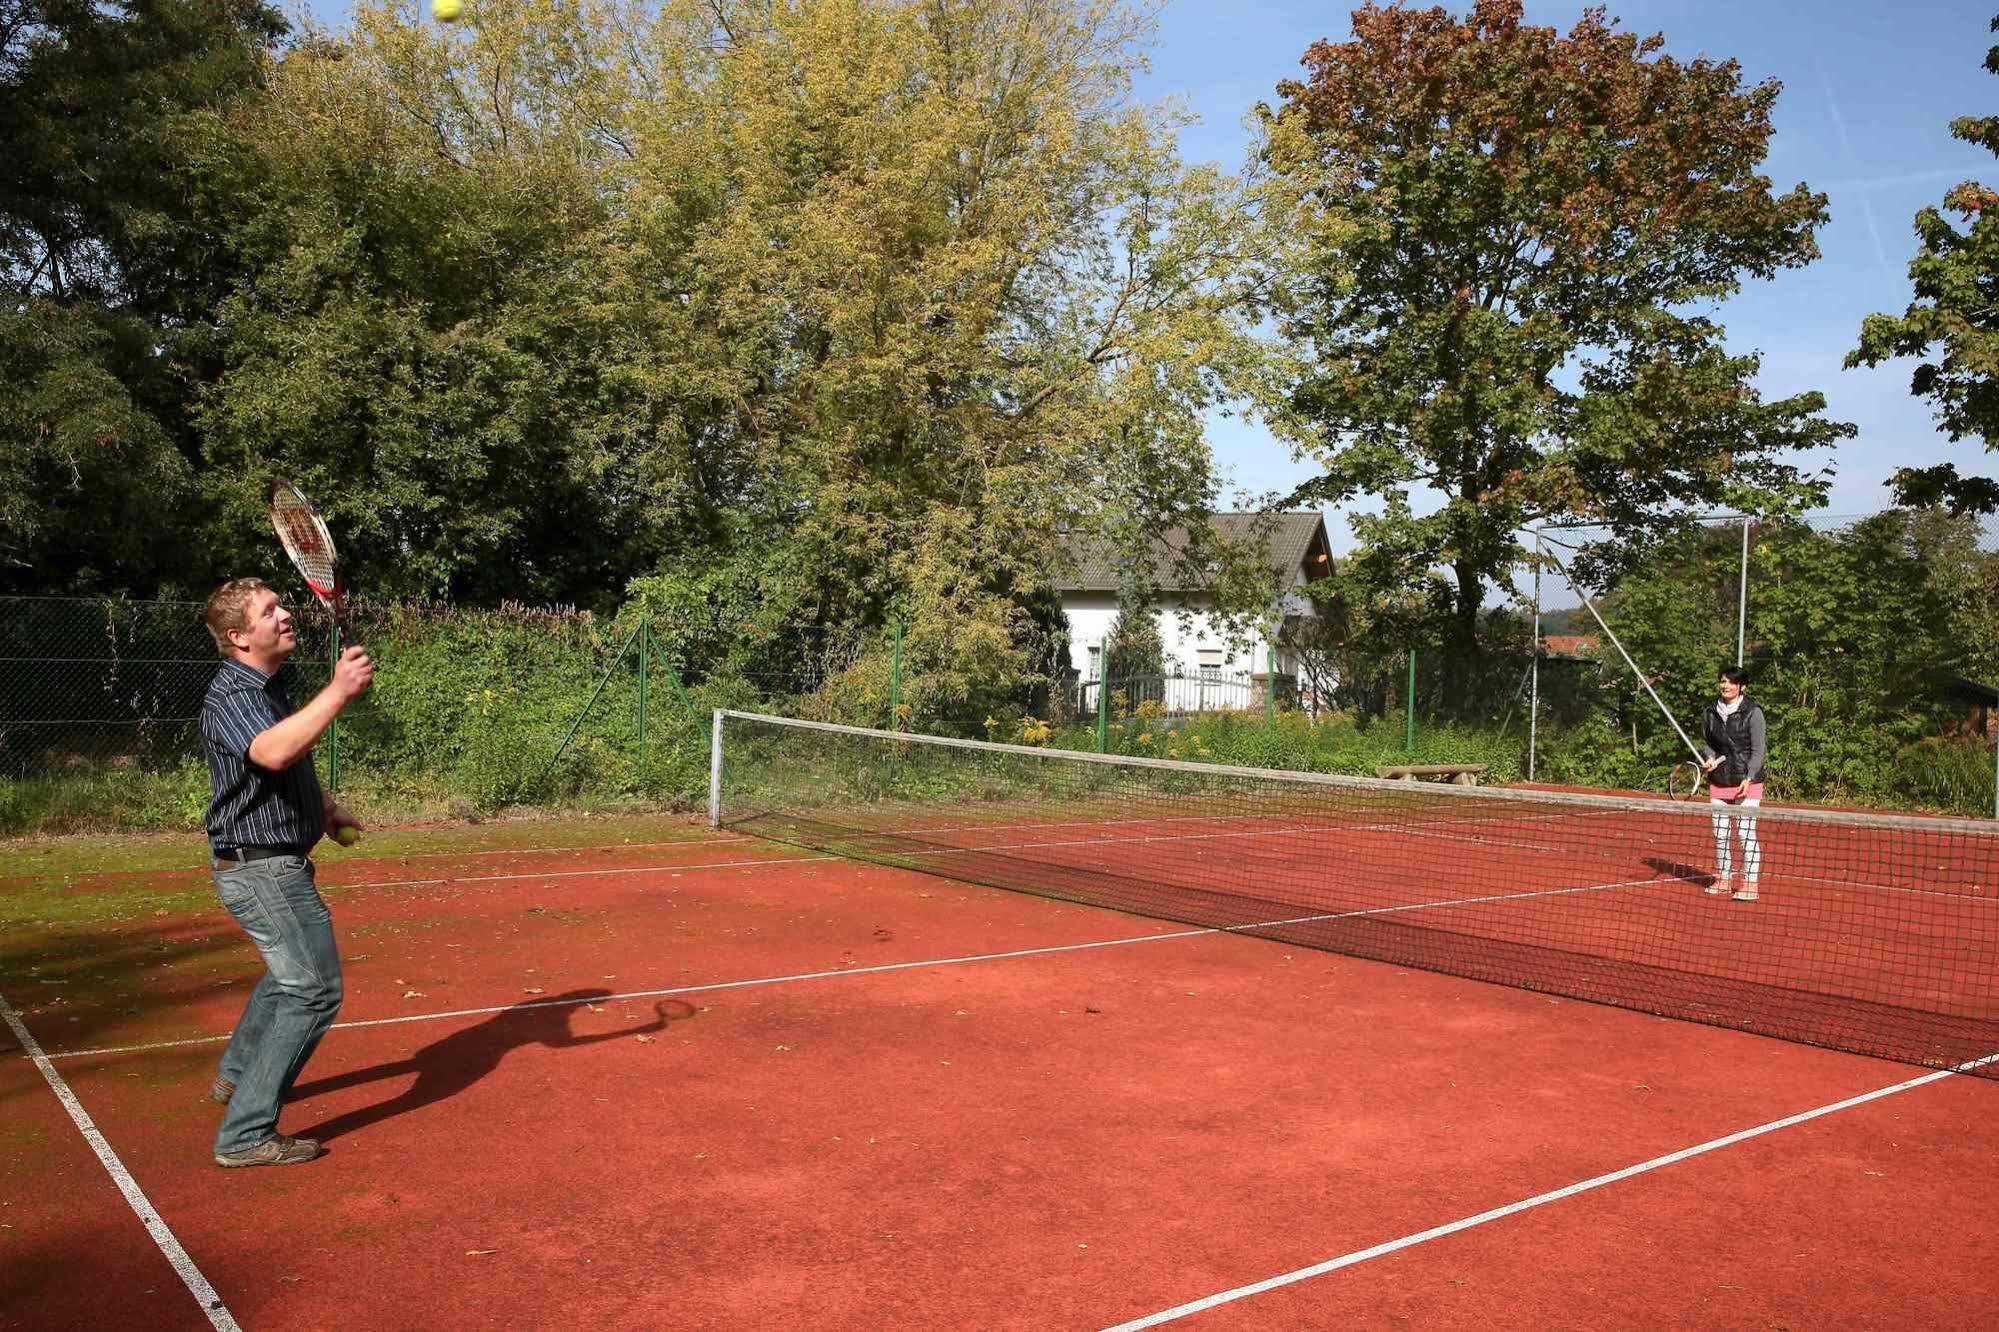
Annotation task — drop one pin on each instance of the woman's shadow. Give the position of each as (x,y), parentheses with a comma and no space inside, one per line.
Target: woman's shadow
(448,1066)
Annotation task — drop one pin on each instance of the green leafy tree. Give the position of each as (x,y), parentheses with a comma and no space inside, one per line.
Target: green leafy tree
(776,316)
(1510,237)
(113,268)
(432,336)
(1954,323)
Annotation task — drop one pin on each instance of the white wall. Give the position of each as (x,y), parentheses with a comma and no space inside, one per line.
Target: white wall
(1092,613)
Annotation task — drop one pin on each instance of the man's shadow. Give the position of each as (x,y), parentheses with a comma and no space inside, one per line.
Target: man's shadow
(448,1066)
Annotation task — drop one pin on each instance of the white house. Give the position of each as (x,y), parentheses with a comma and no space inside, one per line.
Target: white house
(1297,550)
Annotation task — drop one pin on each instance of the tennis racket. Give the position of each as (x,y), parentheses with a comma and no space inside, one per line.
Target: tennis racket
(1684,782)
(303,534)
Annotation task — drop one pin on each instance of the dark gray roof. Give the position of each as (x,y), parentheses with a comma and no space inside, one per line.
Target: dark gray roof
(1289,539)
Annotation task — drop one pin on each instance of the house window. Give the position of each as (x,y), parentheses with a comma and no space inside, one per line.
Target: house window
(1096,662)
(1211,663)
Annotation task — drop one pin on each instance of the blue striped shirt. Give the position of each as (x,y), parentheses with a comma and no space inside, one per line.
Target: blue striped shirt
(253,806)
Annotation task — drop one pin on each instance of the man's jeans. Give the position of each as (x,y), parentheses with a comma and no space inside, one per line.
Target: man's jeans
(275,902)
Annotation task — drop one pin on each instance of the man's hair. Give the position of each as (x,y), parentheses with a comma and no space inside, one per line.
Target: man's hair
(1735,675)
(229,608)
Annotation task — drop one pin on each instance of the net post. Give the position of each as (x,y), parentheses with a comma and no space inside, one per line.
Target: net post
(715,773)
(333,727)
(1742,596)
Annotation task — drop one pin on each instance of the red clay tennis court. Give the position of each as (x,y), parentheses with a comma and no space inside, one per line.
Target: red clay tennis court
(677,1078)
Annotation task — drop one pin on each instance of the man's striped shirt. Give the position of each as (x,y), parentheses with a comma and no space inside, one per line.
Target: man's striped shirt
(253,806)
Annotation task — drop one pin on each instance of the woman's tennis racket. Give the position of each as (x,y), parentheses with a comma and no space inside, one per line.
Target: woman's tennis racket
(1684,782)
(303,534)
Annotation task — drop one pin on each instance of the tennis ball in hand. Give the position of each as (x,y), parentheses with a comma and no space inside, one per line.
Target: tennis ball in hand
(346,834)
(446,11)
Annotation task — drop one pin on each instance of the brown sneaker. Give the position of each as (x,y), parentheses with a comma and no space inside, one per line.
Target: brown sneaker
(275,1150)
(1721,886)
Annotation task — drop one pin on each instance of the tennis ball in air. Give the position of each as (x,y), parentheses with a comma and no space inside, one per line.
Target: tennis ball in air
(446,11)
(347,834)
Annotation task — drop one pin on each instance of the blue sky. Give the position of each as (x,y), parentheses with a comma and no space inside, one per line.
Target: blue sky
(1869,90)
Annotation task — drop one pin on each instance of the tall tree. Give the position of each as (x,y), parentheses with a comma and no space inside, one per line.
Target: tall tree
(1516,239)
(971,297)
(1955,315)
(113,267)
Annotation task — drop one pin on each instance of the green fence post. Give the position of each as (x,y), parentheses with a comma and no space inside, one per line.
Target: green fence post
(1103,703)
(333,727)
(1270,693)
(895,682)
(645,665)
(1409,719)
(584,715)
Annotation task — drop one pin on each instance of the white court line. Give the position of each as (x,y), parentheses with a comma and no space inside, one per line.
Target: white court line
(575,874)
(1241,927)
(1538,1200)
(1969,898)
(197,1285)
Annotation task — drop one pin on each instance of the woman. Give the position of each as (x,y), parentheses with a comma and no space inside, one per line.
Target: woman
(1733,761)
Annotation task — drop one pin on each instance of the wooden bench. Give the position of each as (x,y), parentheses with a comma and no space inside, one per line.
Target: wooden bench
(1463,774)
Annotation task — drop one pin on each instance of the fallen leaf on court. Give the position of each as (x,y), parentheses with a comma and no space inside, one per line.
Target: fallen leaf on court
(643,1040)
(413,994)
(479,1253)
(594,1008)
(533,989)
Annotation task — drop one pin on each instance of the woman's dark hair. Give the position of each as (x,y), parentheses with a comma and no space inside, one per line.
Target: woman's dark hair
(1735,675)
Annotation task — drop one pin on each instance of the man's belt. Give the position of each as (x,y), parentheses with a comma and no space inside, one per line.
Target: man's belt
(228,857)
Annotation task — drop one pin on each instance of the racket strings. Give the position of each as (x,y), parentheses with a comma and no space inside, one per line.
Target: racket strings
(305,539)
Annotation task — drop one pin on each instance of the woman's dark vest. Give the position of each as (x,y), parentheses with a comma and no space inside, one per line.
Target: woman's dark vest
(1729,737)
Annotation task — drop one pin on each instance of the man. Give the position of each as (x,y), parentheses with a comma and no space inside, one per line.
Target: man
(266,815)
(1737,744)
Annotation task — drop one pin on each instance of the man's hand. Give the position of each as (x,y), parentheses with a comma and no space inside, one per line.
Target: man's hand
(290,740)
(1709,765)
(353,673)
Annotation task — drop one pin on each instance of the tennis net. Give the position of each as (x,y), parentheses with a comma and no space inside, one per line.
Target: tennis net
(1873,934)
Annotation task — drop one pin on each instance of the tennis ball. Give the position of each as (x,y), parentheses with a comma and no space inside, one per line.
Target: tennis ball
(346,834)
(446,11)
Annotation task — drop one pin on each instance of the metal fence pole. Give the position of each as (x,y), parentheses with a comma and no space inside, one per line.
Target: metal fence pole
(333,727)
(1103,699)
(895,682)
(1409,719)
(1534,667)
(645,664)
(1742,596)
(1270,692)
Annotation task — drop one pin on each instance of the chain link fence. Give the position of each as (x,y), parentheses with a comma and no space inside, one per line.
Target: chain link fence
(1872,643)
(110,684)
